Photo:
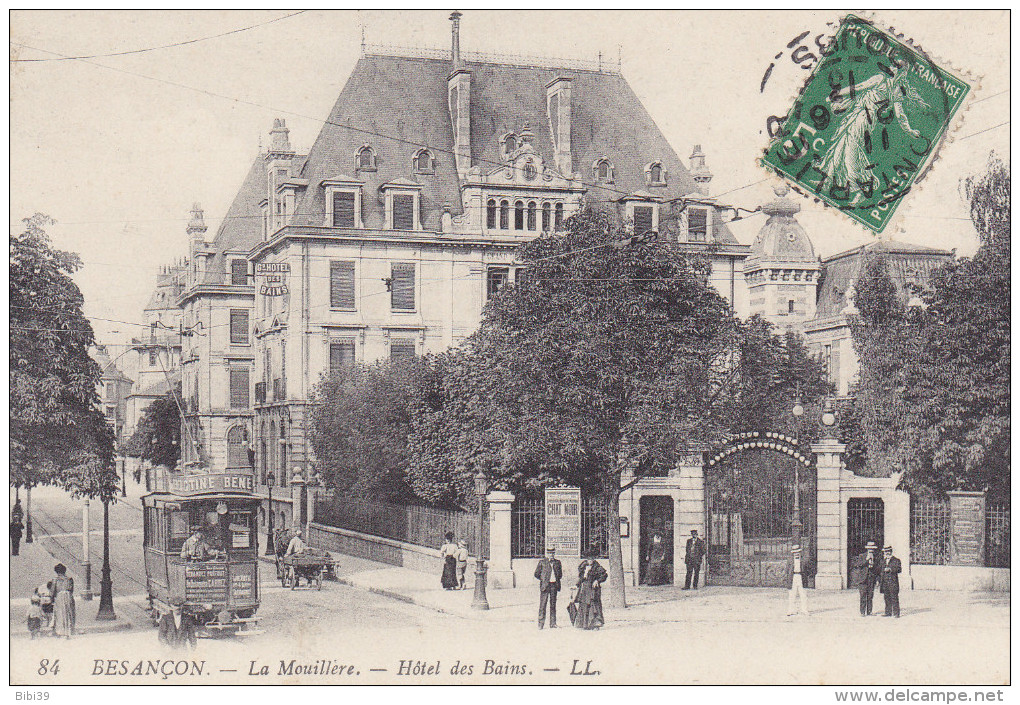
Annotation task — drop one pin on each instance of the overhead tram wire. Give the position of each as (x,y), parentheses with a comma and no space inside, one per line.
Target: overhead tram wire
(292,113)
(163,46)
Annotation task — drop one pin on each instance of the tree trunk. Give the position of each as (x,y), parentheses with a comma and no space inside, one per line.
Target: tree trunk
(615,595)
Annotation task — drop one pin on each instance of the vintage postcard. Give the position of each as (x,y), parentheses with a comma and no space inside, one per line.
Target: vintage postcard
(510,348)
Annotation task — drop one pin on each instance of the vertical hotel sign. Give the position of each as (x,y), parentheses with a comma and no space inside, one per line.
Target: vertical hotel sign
(563,520)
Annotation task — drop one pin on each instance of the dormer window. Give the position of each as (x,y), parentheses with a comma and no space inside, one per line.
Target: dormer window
(655,175)
(403,205)
(508,144)
(424,162)
(343,203)
(603,171)
(366,159)
(697,224)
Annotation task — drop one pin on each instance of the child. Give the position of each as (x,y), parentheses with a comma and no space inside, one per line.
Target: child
(35,616)
(462,556)
(45,594)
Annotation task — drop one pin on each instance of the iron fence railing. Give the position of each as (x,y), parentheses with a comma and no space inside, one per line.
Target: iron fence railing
(929,531)
(527,526)
(416,524)
(997,535)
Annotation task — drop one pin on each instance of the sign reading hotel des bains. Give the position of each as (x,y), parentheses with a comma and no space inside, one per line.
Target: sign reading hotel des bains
(275,278)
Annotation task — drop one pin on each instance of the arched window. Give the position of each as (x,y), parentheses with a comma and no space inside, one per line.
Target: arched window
(237,447)
(519,215)
(366,158)
(532,213)
(558,223)
(283,519)
(603,171)
(504,215)
(655,173)
(423,162)
(546,216)
(490,214)
(510,143)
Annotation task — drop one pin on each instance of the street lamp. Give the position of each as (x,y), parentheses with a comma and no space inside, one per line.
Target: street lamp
(798,412)
(106,613)
(271,526)
(85,537)
(480,601)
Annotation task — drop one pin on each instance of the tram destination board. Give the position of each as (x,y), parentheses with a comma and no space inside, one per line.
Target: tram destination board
(563,520)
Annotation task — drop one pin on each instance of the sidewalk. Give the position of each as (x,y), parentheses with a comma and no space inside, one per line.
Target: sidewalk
(672,604)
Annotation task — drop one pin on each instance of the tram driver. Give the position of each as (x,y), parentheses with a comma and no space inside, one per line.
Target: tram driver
(195,548)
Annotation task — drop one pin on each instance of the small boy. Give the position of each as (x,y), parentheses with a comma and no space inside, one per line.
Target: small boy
(45,594)
(462,557)
(35,616)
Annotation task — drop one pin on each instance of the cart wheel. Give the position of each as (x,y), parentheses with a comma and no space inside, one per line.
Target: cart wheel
(318,579)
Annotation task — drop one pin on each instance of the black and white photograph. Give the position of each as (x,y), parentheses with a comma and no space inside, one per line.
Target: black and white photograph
(510,348)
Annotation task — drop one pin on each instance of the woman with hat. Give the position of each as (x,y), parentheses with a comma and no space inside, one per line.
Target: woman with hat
(63,602)
(588,600)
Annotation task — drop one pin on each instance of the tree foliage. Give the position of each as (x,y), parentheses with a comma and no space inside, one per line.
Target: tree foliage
(359,428)
(58,435)
(933,396)
(158,435)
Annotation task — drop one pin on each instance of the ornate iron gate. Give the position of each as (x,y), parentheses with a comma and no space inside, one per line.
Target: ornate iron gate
(749,493)
(865,521)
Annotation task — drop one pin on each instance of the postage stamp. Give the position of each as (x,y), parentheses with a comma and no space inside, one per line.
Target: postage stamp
(868,121)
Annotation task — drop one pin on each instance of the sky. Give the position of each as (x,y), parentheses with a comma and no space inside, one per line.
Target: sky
(117,148)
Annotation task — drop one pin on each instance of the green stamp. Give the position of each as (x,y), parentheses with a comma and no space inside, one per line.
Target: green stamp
(867,123)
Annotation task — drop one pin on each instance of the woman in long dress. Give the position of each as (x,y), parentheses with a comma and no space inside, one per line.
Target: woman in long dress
(657,573)
(448,551)
(63,602)
(590,577)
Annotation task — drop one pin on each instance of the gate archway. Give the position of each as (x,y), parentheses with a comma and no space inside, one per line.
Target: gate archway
(749,504)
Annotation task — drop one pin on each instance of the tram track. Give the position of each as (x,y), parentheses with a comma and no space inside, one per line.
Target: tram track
(74,557)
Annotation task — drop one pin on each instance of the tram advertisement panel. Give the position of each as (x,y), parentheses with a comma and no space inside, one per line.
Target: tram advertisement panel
(242,582)
(206,582)
(563,520)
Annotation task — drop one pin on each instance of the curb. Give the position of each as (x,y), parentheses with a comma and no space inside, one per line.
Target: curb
(120,625)
(399,596)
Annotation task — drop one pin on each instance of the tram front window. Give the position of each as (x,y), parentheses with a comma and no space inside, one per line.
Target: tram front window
(222,531)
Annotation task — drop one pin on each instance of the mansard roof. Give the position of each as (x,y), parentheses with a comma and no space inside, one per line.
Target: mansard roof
(397,105)
(908,264)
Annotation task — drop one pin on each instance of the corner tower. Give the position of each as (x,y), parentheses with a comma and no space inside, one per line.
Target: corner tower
(782,270)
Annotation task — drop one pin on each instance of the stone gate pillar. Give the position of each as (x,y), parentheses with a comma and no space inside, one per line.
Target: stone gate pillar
(828,461)
(690,513)
(501,572)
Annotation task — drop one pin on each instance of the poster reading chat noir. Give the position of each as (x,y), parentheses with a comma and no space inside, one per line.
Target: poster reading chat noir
(563,520)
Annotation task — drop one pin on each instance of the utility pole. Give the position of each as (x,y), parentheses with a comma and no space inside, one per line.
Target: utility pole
(106,613)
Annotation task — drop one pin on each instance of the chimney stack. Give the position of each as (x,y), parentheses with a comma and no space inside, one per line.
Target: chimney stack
(455,19)
(558,105)
(701,173)
(459,92)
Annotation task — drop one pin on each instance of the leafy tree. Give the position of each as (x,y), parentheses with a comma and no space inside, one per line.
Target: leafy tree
(933,396)
(611,354)
(58,435)
(359,428)
(158,436)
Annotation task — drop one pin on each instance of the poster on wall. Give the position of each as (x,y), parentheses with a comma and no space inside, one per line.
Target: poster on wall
(563,520)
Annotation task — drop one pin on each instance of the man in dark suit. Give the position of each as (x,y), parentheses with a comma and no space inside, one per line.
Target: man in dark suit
(890,583)
(692,559)
(549,573)
(864,573)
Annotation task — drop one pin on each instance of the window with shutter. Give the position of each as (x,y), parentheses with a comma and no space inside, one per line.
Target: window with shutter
(341,285)
(239,388)
(238,327)
(341,354)
(238,272)
(343,209)
(402,350)
(496,278)
(504,215)
(402,287)
(490,214)
(642,219)
(697,225)
(546,219)
(519,215)
(532,215)
(237,448)
(558,221)
(403,212)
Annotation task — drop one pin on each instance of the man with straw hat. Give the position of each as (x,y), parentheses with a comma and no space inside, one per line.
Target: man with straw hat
(890,582)
(864,574)
(797,584)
